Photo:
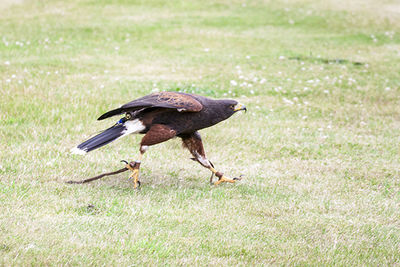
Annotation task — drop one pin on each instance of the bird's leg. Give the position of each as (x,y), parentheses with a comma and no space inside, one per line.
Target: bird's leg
(194,144)
(222,178)
(135,168)
(158,133)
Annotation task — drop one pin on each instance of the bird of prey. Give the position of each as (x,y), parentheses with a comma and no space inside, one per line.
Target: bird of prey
(161,116)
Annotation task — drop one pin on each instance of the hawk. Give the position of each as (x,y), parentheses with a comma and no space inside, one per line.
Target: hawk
(161,116)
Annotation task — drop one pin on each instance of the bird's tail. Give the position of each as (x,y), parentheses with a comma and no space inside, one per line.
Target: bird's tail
(120,129)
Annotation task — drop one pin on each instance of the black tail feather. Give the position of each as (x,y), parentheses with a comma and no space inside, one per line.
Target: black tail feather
(103,138)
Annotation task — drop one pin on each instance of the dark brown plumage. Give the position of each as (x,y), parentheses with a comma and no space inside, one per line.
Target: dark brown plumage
(162,116)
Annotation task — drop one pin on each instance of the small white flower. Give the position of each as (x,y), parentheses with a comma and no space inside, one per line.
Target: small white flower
(281,57)
(101,85)
(252,92)
(7,63)
(116,48)
(287,101)
(326,91)
(8,80)
(248,57)
(206,49)
(233,82)
(30,246)
(387,89)
(13,76)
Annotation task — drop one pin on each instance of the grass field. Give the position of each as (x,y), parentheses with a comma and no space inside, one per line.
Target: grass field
(319,146)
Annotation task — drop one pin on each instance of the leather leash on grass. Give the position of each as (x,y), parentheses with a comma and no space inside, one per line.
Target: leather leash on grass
(132,164)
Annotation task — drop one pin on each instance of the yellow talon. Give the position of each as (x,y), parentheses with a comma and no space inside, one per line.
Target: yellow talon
(224,179)
(134,175)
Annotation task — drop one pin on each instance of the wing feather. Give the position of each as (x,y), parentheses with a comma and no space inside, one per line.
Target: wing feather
(180,101)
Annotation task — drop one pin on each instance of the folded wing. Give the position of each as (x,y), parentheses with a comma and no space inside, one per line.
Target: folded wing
(179,101)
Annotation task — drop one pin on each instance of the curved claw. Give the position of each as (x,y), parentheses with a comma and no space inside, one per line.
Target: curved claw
(238,178)
(138,185)
(124,161)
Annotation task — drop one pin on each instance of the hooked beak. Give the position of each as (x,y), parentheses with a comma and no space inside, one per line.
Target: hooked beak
(240,107)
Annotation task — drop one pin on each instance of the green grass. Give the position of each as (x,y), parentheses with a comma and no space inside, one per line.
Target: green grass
(319,146)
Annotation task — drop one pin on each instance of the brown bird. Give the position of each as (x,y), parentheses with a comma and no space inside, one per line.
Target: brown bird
(162,116)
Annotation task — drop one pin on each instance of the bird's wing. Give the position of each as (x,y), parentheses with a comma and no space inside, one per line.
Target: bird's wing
(173,100)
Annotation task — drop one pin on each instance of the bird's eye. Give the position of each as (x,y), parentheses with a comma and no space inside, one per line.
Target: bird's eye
(128,116)
(232,106)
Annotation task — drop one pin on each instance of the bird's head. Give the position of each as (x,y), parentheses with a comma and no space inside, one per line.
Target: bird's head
(229,107)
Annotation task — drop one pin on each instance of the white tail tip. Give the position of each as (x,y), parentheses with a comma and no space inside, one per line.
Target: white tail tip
(78,151)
